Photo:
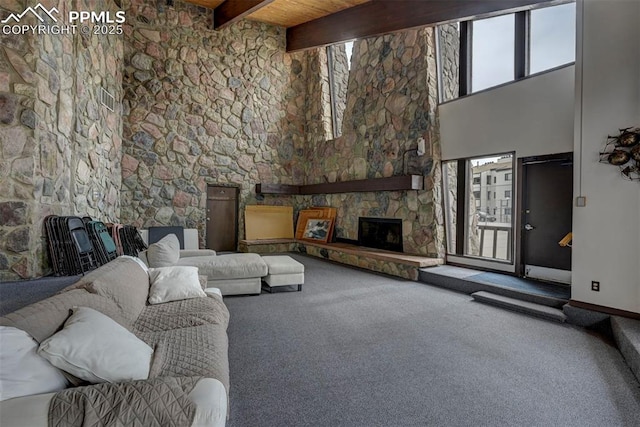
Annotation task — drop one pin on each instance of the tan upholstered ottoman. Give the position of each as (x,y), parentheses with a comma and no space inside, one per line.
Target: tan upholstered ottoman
(283,271)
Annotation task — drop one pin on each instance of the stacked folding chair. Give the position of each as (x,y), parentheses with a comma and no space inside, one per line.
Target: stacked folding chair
(114,229)
(70,248)
(127,239)
(103,244)
(131,240)
(57,255)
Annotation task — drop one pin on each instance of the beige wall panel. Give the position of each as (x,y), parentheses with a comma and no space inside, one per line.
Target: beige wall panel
(268,222)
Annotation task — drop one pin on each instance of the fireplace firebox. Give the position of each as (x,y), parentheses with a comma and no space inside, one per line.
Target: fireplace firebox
(380,233)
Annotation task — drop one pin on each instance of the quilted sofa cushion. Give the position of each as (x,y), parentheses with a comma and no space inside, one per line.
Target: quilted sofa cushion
(230,266)
(123,281)
(195,351)
(182,314)
(42,319)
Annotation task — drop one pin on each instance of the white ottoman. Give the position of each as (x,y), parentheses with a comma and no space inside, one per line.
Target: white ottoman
(283,271)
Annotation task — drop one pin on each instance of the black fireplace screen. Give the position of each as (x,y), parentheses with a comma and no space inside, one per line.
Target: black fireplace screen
(380,233)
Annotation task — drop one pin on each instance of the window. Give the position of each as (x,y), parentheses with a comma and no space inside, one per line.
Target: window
(451,200)
(493,51)
(495,179)
(488,180)
(477,228)
(494,194)
(476,180)
(339,65)
(507,193)
(552,37)
(507,177)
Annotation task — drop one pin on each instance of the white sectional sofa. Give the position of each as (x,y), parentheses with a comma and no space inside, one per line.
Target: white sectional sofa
(233,274)
(189,361)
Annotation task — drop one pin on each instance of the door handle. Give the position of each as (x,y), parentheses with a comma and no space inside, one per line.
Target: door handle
(528,227)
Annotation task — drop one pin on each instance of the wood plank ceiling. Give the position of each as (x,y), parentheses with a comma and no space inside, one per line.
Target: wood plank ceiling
(289,13)
(314,23)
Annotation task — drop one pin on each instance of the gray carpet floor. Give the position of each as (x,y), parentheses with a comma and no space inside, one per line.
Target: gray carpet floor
(360,349)
(15,295)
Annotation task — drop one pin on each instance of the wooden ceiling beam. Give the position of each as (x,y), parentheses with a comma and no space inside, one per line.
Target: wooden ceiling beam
(386,16)
(234,10)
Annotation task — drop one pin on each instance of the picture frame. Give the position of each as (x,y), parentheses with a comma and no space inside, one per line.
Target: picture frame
(317,230)
(303,216)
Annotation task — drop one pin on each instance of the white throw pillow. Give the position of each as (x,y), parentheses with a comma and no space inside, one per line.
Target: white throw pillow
(174,283)
(165,252)
(22,371)
(97,349)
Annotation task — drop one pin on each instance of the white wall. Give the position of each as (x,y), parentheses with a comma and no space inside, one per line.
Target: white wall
(533,117)
(606,245)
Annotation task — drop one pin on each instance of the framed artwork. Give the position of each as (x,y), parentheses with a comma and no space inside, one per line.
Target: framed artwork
(317,229)
(305,215)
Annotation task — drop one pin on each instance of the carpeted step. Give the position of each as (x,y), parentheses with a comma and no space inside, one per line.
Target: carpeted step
(537,310)
(627,335)
(470,281)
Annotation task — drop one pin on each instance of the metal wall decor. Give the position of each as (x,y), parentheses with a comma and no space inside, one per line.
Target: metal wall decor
(623,151)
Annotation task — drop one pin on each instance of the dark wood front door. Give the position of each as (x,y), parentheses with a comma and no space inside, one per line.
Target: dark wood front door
(547,210)
(222,218)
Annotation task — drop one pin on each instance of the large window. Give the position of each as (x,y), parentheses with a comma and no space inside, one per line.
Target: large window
(553,37)
(478,215)
(339,65)
(493,51)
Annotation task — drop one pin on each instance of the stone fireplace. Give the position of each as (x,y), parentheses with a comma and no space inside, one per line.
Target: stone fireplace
(380,233)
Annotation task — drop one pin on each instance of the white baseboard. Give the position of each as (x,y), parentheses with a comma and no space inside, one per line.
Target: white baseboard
(549,274)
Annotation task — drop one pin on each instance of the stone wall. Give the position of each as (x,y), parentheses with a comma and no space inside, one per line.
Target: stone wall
(98,131)
(449,51)
(205,107)
(60,149)
(19,151)
(391,102)
(317,109)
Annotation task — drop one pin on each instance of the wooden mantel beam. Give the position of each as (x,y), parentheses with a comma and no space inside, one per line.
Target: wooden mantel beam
(392,183)
(379,17)
(231,11)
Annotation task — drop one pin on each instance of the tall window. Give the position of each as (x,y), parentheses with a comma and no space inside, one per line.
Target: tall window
(339,64)
(478,222)
(492,54)
(493,51)
(553,37)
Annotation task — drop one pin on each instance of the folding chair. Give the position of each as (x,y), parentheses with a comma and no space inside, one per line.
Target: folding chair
(85,255)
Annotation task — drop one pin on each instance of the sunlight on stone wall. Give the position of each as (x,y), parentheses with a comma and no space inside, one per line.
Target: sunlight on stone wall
(205,107)
(59,147)
(391,102)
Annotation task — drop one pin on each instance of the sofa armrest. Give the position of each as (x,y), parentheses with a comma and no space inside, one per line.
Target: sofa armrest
(186,253)
(209,395)
(210,398)
(27,411)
